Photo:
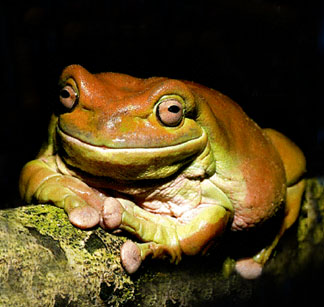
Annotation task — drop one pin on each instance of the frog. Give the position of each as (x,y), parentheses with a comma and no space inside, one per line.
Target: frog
(172,163)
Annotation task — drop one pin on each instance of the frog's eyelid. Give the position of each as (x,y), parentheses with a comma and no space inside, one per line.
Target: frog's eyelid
(71,82)
(171,96)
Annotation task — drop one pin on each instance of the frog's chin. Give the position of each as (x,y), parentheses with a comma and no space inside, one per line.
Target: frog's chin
(129,163)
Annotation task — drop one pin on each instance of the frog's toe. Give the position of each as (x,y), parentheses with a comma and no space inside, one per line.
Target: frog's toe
(248,268)
(84,217)
(174,252)
(130,256)
(112,212)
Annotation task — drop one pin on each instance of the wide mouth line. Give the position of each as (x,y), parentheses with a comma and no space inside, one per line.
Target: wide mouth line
(77,141)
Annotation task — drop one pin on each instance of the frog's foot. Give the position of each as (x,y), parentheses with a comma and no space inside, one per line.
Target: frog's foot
(161,251)
(248,268)
(111,214)
(130,255)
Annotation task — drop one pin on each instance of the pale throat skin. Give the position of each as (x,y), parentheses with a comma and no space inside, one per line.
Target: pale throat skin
(172,162)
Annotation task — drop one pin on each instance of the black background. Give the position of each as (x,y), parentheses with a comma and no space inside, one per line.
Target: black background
(267,55)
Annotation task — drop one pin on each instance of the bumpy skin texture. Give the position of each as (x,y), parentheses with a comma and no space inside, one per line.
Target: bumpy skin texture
(172,162)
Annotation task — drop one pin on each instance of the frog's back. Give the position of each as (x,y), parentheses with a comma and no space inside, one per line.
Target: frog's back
(248,167)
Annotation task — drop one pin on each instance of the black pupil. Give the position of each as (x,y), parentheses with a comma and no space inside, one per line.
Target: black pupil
(173,109)
(65,93)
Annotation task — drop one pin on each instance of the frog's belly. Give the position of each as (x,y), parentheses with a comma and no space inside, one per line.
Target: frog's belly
(174,199)
(169,208)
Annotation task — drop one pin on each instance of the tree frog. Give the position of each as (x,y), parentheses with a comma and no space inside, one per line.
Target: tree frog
(171,162)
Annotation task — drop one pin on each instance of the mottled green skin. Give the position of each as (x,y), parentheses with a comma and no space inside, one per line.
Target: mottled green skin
(44,261)
(311,223)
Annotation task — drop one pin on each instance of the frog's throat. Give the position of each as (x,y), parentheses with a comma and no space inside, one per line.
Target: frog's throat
(129,163)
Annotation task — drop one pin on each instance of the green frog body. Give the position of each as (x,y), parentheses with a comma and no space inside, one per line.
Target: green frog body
(172,162)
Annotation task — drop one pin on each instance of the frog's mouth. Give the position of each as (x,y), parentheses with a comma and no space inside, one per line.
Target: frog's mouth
(129,163)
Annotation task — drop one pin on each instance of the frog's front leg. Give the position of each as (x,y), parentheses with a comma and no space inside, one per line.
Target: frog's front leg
(41,181)
(158,231)
(165,235)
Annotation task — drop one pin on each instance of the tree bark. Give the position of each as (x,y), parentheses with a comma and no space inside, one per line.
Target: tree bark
(45,261)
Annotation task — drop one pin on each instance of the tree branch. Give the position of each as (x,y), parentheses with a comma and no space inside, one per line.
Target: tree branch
(45,261)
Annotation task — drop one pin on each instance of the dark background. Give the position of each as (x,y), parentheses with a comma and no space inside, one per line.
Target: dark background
(267,55)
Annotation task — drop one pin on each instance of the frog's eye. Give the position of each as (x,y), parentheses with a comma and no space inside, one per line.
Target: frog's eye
(68,96)
(170,112)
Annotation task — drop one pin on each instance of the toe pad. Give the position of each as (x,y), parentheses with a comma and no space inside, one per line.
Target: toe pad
(248,268)
(84,217)
(130,257)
